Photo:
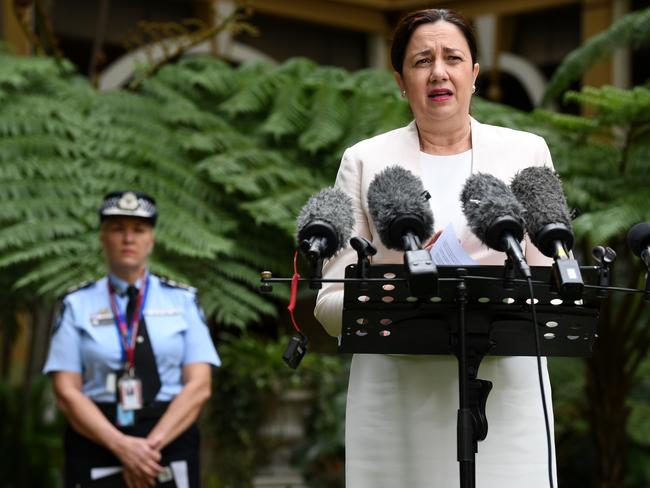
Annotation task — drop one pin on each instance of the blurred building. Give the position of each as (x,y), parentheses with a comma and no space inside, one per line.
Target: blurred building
(520,42)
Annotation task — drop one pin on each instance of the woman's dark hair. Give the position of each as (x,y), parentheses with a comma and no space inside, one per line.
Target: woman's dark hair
(412,21)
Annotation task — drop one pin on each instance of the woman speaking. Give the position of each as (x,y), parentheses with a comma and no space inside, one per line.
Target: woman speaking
(401,410)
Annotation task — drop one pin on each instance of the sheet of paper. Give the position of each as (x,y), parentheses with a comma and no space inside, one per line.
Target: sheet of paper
(448,251)
(179,469)
(103,472)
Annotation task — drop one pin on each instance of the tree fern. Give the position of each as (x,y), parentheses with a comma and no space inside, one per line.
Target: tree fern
(632,30)
(330,103)
(230,154)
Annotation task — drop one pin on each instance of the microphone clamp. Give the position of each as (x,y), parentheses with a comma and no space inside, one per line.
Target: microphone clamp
(605,257)
(422,273)
(364,250)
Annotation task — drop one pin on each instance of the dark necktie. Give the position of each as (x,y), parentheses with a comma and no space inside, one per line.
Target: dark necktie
(145,361)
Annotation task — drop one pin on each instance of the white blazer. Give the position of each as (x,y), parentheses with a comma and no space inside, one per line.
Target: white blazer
(495,150)
(400,428)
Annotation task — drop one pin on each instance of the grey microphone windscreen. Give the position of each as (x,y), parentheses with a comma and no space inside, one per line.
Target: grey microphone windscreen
(539,190)
(485,199)
(638,237)
(327,214)
(398,204)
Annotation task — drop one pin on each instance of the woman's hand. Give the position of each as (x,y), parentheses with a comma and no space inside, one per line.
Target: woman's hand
(139,459)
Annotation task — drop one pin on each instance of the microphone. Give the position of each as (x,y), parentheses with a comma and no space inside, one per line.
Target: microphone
(323,227)
(495,216)
(539,190)
(638,239)
(398,205)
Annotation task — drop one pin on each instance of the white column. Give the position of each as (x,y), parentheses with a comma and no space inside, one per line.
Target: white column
(486,34)
(222,9)
(621,65)
(377,51)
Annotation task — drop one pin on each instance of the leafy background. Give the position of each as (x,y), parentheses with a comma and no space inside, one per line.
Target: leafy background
(231,154)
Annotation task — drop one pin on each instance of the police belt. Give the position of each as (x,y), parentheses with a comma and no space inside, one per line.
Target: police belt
(151,411)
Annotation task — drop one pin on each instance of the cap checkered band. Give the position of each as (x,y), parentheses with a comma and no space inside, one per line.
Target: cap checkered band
(128,204)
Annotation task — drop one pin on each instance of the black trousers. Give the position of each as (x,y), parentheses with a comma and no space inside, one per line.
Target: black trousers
(82,454)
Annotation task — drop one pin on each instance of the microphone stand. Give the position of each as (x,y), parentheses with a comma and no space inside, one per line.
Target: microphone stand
(487,333)
(471,423)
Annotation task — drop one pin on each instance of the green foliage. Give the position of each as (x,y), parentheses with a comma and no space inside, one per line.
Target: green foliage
(632,30)
(231,154)
(254,390)
(604,160)
(31,444)
(605,166)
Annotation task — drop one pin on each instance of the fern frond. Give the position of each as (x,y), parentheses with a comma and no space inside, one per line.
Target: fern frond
(632,30)
(614,105)
(327,126)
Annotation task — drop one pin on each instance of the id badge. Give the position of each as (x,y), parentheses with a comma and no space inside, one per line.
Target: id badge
(124,418)
(130,391)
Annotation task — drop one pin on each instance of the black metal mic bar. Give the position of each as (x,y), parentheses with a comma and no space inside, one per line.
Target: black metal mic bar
(267,280)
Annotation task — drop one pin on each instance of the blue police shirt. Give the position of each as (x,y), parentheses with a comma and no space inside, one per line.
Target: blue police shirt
(85,339)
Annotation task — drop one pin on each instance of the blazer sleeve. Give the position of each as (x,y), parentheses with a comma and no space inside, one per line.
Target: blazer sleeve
(329,304)
(533,255)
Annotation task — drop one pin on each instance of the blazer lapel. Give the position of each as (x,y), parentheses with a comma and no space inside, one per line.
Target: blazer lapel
(479,161)
(409,151)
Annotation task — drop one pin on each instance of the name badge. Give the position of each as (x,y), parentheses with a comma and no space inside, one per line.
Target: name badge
(162,312)
(103,317)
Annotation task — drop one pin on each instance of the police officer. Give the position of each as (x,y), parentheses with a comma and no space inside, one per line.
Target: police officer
(130,361)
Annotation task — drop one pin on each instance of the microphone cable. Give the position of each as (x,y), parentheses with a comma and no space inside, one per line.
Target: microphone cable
(538,352)
(297,347)
(294,294)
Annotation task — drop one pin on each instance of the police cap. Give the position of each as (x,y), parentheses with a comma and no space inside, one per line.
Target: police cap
(128,204)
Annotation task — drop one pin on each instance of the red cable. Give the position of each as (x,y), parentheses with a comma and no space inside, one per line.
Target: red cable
(294,292)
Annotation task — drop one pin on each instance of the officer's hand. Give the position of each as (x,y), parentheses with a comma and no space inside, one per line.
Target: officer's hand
(134,481)
(154,441)
(138,457)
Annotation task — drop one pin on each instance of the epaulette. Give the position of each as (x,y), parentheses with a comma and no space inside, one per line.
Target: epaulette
(80,286)
(175,284)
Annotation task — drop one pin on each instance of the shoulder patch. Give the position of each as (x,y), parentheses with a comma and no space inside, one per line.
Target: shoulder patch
(200,309)
(59,319)
(175,284)
(81,286)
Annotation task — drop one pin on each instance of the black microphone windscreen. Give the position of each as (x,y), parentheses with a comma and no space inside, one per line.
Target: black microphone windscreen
(638,237)
(485,198)
(396,192)
(329,211)
(539,190)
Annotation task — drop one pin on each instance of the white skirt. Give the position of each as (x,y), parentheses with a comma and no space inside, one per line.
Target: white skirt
(401,423)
